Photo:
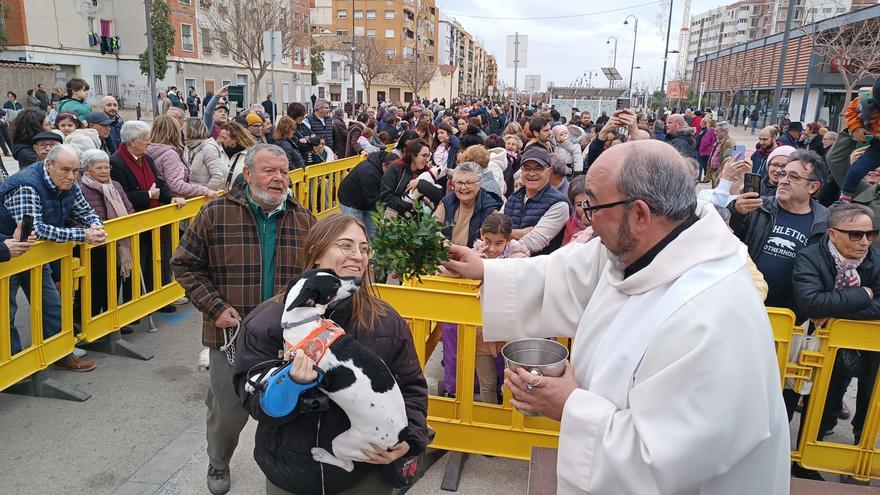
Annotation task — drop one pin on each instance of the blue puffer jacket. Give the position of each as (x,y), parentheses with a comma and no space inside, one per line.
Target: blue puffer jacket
(528,214)
(486,203)
(56,207)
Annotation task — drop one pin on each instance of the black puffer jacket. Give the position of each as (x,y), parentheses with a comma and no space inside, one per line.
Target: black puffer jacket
(814,291)
(683,141)
(360,188)
(394,183)
(283,445)
(754,229)
(25,155)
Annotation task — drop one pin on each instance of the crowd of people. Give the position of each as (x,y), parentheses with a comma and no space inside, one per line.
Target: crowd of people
(503,188)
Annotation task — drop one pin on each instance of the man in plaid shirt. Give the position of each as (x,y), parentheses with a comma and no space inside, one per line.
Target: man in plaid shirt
(48,193)
(242,249)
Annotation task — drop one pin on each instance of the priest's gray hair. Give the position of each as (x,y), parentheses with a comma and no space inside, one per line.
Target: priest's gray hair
(667,186)
(134,129)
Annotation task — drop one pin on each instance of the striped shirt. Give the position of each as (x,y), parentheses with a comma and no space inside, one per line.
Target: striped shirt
(25,201)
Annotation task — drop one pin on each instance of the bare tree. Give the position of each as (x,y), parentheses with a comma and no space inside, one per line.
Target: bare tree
(237,28)
(850,49)
(369,63)
(415,76)
(739,74)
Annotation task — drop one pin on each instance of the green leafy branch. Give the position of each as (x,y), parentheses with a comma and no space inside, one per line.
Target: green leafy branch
(409,245)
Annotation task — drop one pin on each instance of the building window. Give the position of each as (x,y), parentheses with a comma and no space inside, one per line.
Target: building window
(206,41)
(106,28)
(389,33)
(358,30)
(186,37)
(408,53)
(185,2)
(224,44)
(342,14)
(342,32)
(371,33)
(358,14)
(389,53)
(371,14)
(98,87)
(112,85)
(321,92)
(389,14)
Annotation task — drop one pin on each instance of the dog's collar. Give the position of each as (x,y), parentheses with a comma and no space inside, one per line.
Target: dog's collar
(317,342)
(285,325)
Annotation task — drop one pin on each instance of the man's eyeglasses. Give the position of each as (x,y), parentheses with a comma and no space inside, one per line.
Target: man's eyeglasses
(589,210)
(349,248)
(792,177)
(856,235)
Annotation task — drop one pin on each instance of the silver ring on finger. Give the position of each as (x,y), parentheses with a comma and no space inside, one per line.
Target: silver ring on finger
(532,386)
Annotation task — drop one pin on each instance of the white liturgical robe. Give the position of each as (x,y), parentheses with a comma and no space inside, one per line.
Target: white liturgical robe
(679,383)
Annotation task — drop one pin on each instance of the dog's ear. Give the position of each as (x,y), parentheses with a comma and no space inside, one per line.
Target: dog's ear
(306,297)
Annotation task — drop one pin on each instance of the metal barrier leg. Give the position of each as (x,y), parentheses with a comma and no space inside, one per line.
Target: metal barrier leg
(454,468)
(114,344)
(42,384)
(152,325)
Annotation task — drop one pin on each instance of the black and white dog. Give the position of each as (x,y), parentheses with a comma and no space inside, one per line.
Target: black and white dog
(357,380)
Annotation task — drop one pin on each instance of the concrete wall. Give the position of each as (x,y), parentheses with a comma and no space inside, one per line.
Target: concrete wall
(20,79)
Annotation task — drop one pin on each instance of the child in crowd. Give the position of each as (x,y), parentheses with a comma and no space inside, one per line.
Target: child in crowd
(365,141)
(577,194)
(495,241)
(862,118)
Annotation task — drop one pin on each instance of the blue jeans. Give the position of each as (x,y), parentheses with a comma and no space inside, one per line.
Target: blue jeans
(364,216)
(51,305)
(860,168)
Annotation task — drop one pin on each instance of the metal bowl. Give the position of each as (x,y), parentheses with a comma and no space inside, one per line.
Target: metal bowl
(538,356)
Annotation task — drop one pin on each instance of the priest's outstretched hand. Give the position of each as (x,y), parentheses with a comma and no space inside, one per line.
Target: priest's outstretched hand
(546,396)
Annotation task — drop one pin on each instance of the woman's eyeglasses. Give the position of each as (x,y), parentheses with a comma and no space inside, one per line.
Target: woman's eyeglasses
(856,235)
(349,248)
(469,184)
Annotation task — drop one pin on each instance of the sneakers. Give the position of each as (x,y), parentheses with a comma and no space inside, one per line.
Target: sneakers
(181,301)
(204,362)
(168,309)
(73,363)
(218,480)
(77,352)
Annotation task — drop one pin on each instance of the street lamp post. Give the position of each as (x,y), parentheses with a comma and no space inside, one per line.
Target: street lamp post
(614,55)
(666,52)
(633,62)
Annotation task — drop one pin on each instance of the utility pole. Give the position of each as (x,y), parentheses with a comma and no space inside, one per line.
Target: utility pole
(153,94)
(272,63)
(353,93)
(666,52)
(416,79)
(777,91)
(632,64)
(515,70)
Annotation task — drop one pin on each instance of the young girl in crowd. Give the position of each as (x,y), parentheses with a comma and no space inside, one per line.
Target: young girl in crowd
(496,241)
(365,141)
(577,224)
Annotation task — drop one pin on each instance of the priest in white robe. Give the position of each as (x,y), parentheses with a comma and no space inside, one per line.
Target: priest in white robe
(674,384)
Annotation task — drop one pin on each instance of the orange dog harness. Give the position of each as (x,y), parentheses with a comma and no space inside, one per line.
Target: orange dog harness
(317,342)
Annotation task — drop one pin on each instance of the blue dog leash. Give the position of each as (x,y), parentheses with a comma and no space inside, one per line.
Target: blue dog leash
(280,393)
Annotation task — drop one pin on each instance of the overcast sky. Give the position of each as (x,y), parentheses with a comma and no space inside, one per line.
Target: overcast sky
(563,49)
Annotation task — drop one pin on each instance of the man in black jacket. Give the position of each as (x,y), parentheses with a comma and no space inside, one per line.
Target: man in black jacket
(359,190)
(775,228)
(839,277)
(320,122)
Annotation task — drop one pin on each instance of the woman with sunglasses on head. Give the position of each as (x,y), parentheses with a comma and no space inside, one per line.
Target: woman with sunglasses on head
(283,445)
(839,277)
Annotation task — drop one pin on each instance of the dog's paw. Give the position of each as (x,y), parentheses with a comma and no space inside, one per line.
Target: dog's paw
(204,361)
(321,455)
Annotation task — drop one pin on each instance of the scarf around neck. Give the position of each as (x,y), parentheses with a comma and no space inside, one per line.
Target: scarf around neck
(115,207)
(847,269)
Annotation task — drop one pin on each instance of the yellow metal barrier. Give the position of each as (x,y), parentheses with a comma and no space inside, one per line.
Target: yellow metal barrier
(41,352)
(318,190)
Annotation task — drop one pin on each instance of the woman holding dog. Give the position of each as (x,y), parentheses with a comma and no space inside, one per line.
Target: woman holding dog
(283,445)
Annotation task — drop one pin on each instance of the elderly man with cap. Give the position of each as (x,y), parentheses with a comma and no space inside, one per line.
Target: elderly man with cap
(45,141)
(792,135)
(538,210)
(101,122)
(111,108)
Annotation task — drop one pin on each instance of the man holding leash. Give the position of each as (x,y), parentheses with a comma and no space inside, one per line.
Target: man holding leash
(240,250)
(657,398)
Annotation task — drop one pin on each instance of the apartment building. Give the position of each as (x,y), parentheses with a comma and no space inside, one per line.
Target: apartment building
(100,41)
(478,69)
(392,24)
(730,25)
